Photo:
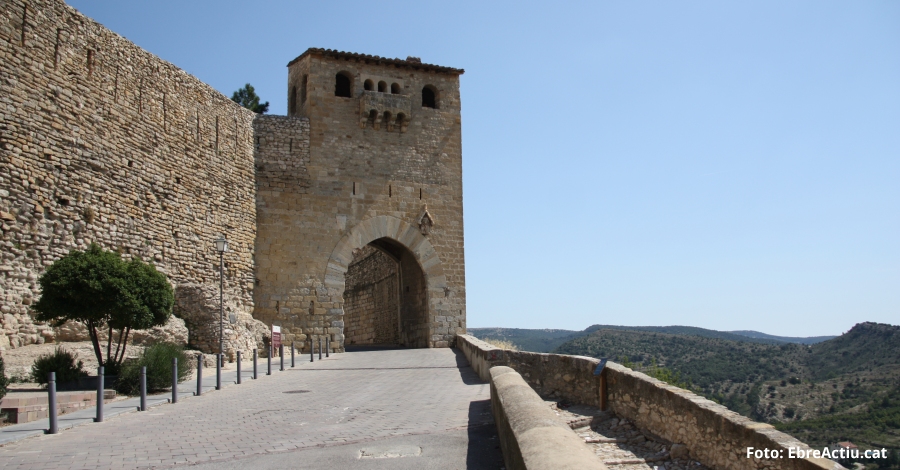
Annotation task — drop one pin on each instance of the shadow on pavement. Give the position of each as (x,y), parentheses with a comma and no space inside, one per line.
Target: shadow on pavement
(466,372)
(483,451)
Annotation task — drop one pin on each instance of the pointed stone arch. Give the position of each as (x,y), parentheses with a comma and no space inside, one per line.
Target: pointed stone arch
(405,235)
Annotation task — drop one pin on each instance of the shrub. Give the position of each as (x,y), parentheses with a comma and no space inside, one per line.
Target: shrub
(158,360)
(501,343)
(60,361)
(102,291)
(3,380)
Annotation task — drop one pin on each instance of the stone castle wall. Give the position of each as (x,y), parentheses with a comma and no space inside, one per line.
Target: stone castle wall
(101,141)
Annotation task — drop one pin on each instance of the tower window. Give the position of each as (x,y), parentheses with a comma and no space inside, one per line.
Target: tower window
(429,97)
(368,85)
(382,87)
(342,85)
(293,100)
(303,85)
(395,89)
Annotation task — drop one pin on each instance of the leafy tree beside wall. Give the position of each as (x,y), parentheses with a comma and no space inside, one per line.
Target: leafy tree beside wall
(247,98)
(102,291)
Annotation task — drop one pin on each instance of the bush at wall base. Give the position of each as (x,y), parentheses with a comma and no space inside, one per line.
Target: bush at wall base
(3,380)
(158,360)
(60,361)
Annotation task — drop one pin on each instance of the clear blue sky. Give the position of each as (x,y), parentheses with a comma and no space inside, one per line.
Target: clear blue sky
(727,165)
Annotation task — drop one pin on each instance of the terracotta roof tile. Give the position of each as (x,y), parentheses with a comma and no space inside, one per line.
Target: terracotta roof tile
(412,62)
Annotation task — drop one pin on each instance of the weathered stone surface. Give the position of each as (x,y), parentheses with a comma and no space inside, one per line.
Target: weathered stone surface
(174,331)
(198,306)
(103,142)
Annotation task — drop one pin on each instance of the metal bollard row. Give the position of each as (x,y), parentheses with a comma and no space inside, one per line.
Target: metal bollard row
(51,386)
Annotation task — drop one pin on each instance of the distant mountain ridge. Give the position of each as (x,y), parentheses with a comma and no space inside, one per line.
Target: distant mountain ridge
(546,340)
(784,339)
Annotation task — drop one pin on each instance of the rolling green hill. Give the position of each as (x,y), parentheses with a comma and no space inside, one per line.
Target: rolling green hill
(810,389)
(546,340)
(527,340)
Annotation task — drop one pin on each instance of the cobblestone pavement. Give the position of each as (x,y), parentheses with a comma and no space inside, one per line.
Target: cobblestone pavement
(619,444)
(361,398)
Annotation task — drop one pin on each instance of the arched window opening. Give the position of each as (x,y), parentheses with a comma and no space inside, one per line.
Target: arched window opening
(429,97)
(368,85)
(386,118)
(372,116)
(303,85)
(293,100)
(395,89)
(382,87)
(342,85)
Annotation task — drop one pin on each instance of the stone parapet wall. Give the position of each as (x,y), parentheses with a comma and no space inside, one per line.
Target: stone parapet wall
(103,142)
(531,435)
(713,434)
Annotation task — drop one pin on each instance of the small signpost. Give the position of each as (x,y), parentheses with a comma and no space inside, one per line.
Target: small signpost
(276,337)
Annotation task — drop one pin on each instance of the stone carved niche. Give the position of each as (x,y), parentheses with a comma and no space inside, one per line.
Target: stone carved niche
(377,108)
(425,221)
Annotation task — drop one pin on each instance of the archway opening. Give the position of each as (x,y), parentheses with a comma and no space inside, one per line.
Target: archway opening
(385,297)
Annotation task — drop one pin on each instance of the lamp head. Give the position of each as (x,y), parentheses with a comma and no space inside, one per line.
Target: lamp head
(221,244)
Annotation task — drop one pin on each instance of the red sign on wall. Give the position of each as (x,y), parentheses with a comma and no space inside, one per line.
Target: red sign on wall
(276,337)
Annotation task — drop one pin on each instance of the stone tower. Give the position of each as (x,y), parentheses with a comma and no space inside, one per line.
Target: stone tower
(359,203)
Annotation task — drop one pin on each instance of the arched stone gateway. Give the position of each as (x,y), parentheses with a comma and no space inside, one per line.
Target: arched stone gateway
(395,295)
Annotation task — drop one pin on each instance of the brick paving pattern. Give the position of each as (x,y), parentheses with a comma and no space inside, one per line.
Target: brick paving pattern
(351,397)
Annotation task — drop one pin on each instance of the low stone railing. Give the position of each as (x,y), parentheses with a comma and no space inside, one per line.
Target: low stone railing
(713,434)
(531,435)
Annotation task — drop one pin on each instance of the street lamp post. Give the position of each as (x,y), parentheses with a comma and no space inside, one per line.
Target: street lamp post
(221,247)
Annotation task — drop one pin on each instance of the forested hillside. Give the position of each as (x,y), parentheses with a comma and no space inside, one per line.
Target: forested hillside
(820,392)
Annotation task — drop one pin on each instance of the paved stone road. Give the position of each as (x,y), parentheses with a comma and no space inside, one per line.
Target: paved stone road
(422,408)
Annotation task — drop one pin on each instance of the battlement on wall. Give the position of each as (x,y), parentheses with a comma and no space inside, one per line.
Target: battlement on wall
(101,141)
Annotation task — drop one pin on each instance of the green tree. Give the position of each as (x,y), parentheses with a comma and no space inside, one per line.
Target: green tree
(97,288)
(247,98)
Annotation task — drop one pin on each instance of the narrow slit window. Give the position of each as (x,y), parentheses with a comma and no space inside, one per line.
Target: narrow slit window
(303,85)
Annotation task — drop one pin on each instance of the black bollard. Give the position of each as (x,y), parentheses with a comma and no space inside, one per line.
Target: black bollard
(292,354)
(51,389)
(320,348)
(254,364)
(99,418)
(311,351)
(239,367)
(174,380)
(219,371)
(281,353)
(199,375)
(327,345)
(269,358)
(143,388)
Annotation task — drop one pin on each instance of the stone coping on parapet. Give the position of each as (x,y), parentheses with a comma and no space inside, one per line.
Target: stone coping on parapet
(409,63)
(713,434)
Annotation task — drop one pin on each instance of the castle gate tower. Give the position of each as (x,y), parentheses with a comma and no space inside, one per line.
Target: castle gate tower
(359,204)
